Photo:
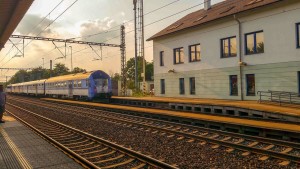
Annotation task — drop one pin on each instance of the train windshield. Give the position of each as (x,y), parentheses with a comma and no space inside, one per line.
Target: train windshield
(101,85)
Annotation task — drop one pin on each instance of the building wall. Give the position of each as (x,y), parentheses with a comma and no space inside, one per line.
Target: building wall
(275,69)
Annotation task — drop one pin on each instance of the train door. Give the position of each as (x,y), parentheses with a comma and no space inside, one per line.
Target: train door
(70,83)
(36,89)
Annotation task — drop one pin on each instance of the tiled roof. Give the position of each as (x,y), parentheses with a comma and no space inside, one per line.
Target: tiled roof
(217,11)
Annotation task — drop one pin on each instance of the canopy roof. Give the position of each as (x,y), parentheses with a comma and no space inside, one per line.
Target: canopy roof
(11,13)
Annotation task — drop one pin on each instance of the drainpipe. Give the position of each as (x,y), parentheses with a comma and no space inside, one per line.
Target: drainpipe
(240,56)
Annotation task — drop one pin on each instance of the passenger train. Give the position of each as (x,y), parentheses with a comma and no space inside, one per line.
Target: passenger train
(88,85)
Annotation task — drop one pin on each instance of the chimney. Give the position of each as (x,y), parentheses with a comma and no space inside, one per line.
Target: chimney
(207,4)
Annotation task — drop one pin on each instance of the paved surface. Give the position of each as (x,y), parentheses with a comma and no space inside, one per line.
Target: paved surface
(254,105)
(229,120)
(20,147)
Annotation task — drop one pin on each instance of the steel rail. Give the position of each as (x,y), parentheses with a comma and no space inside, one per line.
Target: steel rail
(249,137)
(262,139)
(216,141)
(146,159)
(75,156)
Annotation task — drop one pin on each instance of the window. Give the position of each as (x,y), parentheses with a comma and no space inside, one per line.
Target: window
(254,43)
(87,82)
(162,86)
(161,58)
(298,34)
(228,47)
(178,56)
(250,81)
(75,83)
(181,86)
(194,53)
(79,83)
(233,85)
(192,86)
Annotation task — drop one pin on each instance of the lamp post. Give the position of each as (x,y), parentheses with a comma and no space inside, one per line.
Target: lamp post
(71,59)
(43,63)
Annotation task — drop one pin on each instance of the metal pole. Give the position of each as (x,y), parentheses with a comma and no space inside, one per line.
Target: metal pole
(43,63)
(71,59)
(23,48)
(65,50)
(123,61)
(135,45)
(50,68)
(143,47)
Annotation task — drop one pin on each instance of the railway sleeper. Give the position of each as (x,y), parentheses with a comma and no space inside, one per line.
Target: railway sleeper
(111,159)
(82,145)
(94,152)
(103,155)
(119,164)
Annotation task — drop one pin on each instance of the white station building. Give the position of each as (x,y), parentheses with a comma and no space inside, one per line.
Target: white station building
(230,50)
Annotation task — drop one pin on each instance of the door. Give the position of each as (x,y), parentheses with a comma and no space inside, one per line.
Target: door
(70,89)
(36,89)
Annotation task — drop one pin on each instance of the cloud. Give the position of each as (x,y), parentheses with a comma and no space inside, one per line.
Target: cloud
(33,25)
(92,27)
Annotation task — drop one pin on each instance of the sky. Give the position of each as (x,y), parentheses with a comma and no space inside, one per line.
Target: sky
(84,18)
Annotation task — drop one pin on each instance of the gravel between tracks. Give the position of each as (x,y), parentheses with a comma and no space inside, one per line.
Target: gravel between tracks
(184,154)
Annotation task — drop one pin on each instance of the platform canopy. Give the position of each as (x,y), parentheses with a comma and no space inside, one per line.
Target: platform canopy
(11,13)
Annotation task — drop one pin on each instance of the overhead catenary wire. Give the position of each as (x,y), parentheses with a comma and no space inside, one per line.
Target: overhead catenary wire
(252,19)
(32,30)
(47,26)
(109,30)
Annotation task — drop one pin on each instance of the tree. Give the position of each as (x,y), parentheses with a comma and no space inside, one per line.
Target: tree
(130,71)
(60,69)
(78,70)
(260,47)
(41,73)
(20,76)
(149,71)
(116,77)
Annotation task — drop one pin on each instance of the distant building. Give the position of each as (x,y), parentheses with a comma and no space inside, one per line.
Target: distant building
(230,50)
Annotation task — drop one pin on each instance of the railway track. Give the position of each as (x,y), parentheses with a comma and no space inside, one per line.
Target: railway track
(89,150)
(285,151)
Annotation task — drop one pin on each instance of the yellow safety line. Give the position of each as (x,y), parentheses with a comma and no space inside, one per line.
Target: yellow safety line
(22,160)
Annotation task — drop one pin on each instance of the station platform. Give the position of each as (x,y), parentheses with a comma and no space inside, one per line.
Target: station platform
(20,147)
(280,126)
(254,105)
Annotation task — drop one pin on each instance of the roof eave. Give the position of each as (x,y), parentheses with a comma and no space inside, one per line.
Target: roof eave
(19,12)
(171,33)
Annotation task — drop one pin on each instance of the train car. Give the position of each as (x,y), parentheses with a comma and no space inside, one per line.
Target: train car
(8,89)
(88,85)
(36,87)
(17,88)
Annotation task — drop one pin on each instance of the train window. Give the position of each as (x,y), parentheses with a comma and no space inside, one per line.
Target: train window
(87,82)
(75,83)
(79,83)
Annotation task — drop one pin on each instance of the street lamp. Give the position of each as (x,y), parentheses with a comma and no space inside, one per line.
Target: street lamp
(71,59)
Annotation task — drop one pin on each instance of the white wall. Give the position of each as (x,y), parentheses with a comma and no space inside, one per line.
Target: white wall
(275,69)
